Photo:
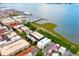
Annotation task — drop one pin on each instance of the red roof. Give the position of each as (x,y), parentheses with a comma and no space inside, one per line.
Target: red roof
(14,24)
(25,52)
(2,31)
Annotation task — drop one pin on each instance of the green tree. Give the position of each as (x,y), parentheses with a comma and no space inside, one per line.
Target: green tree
(40,53)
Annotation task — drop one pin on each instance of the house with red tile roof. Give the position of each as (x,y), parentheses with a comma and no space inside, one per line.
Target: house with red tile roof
(26,52)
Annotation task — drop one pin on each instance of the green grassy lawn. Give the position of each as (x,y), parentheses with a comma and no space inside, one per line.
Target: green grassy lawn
(40,53)
(47,26)
(74,48)
(30,26)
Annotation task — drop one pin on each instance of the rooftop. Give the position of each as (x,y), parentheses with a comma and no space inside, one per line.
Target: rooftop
(14,47)
(9,12)
(25,52)
(37,35)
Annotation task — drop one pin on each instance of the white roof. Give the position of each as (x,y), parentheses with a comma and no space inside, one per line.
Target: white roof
(15,38)
(14,47)
(7,20)
(26,12)
(11,34)
(29,54)
(43,42)
(28,31)
(3,42)
(15,17)
(55,54)
(62,49)
(0,27)
(31,38)
(3,27)
(57,45)
(19,26)
(25,27)
(18,17)
(37,35)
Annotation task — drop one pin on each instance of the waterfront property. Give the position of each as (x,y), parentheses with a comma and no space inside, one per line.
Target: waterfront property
(32,34)
(43,43)
(35,36)
(62,50)
(56,38)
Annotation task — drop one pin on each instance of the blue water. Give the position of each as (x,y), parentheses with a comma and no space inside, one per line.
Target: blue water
(64,15)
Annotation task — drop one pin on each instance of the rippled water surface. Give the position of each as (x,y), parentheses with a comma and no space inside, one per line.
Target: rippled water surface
(66,16)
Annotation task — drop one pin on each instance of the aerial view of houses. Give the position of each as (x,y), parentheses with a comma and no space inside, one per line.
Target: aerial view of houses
(21,37)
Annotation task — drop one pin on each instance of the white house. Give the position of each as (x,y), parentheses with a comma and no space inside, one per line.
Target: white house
(29,54)
(55,54)
(17,26)
(2,42)
(31,38)
(29,31)
(62,50)
(36,35)
(43,43)
(15,38)
(25,28)
(18,19)
(11,34)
